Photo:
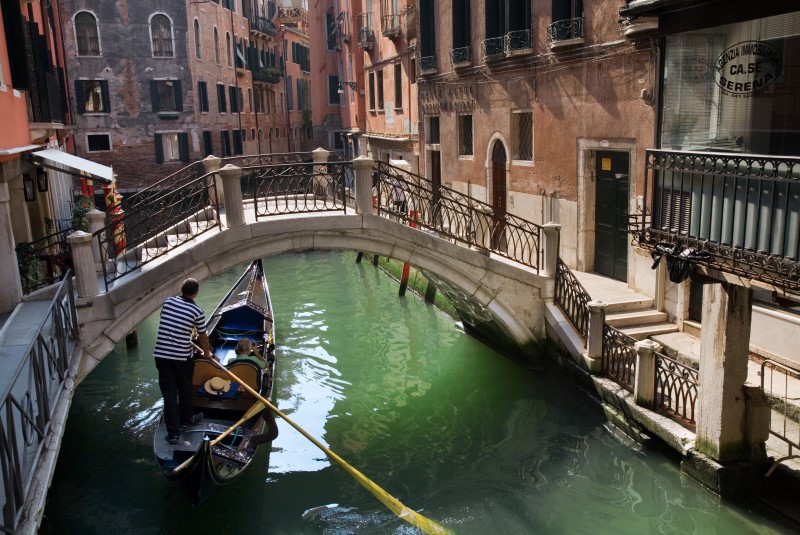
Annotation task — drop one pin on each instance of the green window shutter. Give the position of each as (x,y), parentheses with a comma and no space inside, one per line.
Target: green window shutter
(80,98)
(154,96)
(176,88)
(106,96)
(159,149)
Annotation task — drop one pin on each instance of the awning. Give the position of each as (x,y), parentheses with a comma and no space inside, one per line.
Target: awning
(80,166)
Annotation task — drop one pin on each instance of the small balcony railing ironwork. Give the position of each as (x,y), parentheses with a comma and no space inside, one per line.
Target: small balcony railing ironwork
(741,210)
(565,30)
(366,35)
(427,64)
(462,56)
(343,27)
(390,25)
(517,41)
(493,48)
(263,25)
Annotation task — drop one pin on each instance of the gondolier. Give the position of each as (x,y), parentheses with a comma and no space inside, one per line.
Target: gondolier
(180,317)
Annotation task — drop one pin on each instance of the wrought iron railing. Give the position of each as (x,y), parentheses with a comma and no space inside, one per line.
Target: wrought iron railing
(390,25)
(517,40)
(619,357)
(169,220)
(174,180)
(268,75)
(744,210)
(572,298)
(781,384)
(31,396)
(366,36)
(493,48)
(298,187)
(263,25)
(44,261)
(564,30)
(461,56)
(413,199)
(427,64)
(676,388)
(343,27)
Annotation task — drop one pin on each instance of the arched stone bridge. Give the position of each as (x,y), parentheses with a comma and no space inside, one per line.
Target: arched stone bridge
(493,294)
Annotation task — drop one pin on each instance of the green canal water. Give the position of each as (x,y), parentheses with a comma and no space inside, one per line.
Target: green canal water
(448,426)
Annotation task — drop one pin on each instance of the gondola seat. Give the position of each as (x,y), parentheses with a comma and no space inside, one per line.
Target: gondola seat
(249,373)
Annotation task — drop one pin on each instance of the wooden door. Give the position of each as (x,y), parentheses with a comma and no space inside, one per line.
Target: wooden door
(499,195)
(611,215)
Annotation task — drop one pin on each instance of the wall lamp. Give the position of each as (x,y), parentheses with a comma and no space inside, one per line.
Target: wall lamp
(41,180)
(352,85)
(28,188)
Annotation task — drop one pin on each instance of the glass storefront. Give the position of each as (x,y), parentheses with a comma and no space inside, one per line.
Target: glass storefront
(734,88)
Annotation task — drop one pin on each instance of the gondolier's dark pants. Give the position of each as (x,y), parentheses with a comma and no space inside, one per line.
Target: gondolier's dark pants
(175,382)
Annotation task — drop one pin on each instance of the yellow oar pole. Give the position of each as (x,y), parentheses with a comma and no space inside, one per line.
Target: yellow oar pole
(257,407)
(409,515)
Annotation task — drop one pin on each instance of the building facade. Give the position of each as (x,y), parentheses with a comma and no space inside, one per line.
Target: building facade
(293,24)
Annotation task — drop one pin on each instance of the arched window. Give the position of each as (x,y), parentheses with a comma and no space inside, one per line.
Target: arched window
(161,36)
(198,47)
(86,34)
(228,48)
(216,43)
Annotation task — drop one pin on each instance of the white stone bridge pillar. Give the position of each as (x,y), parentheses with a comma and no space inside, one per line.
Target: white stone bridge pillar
(363,166)
(232,186)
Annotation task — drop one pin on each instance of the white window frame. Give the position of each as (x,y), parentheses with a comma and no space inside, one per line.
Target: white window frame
(171,34)
(97,27)
(459,134)
(198,43)
(107,134)
(177,145)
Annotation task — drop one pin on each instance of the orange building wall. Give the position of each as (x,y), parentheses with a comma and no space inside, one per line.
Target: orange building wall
(13,107)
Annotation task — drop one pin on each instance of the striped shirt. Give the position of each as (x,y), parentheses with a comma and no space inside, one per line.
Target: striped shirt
(179,317)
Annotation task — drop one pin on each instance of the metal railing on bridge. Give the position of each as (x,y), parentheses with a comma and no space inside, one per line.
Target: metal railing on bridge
(31,394)
(45,261)
(781,385)
(452,215)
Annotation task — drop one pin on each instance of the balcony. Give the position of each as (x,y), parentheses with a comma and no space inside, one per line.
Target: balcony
(427,65)
(268,75)
(293,16)
(565,33)
(493,49)
(263,25)
(343,28)
(366,37)
(741,211)
(518,43)
(390,25)
(461,57)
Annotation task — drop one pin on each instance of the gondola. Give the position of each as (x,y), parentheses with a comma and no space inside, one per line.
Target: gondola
(235,424)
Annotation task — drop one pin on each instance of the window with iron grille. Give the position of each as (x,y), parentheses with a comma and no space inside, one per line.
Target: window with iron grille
(465,135)
(86,34)
(433,129)
(522,135)
(161,36)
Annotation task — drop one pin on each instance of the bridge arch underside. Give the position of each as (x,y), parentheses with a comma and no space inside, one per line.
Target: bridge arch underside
(494,297)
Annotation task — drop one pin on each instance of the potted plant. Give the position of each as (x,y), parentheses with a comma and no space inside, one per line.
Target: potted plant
(82,207)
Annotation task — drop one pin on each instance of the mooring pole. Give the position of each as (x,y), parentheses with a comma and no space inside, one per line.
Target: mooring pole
(375,260)
(404,278)
(359,257)
(132,339)
(430,293)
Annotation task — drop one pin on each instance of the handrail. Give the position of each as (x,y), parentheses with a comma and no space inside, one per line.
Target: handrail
(781,392)
(572,298)
(31,395)
(414,199)
(42,262)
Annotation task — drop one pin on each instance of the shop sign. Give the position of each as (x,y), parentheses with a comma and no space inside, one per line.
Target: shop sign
(748,68)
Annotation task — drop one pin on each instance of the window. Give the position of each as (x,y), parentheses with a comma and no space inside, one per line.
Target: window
(237,142)
(198,47)
(161,36)
(98,142)
(465,135)
(290,94)
(86,35)
(222,105)
(216,44)
(91,96)
(166,96)
(226,143)
(461,24)
(202,95)
(330,25)
(208,143)
(427,26)
(433,129)
(505,17)
(172,147)
(235,94)
(398,85)
(379,82)
(333,90)
(522,135)
(372,91)
(250,100)
(228,51)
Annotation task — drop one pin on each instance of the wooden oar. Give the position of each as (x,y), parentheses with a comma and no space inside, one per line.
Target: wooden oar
(409,515)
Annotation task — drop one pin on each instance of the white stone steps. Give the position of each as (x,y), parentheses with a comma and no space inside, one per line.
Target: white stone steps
(640,332)
(635,317)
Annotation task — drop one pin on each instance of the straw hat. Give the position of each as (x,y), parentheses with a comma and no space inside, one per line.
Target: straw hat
(217,385)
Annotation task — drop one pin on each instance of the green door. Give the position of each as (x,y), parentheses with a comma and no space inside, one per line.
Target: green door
(611,215)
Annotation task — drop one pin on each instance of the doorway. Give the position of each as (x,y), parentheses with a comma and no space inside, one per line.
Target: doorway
(499,160)
(611,214)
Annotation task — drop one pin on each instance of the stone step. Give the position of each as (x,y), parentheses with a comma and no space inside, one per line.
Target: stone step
(640,332)
(635,317)
(626,303)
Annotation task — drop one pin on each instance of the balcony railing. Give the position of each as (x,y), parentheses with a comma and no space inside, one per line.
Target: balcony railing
(390,25)
(366,36)
(269,75)
(427,64)
(293,15)
(493,48)
(460,57)
(265,26)
(565,32)
(343,27)
(741,210)
(517,42)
